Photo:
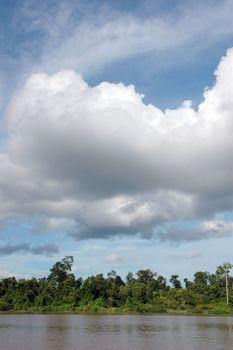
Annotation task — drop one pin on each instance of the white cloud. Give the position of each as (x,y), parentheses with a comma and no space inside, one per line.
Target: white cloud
(87,37)
(205,229)
(187,255)
(113,258)
(217,227)
(8,274)
(52,224)
(102,161)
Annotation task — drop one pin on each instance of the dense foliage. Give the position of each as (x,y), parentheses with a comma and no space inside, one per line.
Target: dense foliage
(143,292)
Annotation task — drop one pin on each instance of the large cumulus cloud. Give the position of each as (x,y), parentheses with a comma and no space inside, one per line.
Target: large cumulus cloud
(100,162)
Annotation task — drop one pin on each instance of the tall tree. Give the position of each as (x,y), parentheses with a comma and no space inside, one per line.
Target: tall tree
(175,281)
(61,269)
(223,271)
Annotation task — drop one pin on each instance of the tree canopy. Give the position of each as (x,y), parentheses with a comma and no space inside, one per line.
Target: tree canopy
(144,291)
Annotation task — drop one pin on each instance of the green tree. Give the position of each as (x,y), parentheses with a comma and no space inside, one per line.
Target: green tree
(130,278)
(145,275)
(114,284)
(175,281)
(61,269)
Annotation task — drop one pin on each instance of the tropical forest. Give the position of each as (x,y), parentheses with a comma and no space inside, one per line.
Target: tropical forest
(143,292)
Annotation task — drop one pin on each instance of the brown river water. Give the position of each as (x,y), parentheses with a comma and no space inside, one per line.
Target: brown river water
(115,332)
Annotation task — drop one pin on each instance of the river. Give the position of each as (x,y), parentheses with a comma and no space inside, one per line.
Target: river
(115,332)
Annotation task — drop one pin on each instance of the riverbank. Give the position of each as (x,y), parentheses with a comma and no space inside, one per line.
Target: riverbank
(139,310)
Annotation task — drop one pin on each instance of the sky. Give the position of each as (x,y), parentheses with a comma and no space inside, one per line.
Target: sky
(116,136)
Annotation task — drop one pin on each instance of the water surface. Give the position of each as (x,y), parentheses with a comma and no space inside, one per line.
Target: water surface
(115,332)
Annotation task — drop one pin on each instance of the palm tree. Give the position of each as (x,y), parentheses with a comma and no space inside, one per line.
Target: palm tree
(223,270)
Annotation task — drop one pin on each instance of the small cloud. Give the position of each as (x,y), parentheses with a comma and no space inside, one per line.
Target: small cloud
(46,249)
(52,224)
(187,255)
(7,274)
(134,259)
(113,258)
(203,230)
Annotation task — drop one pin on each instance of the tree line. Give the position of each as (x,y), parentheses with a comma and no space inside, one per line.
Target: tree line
(145,291)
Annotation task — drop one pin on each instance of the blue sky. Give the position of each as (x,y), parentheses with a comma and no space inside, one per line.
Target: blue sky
(101,157)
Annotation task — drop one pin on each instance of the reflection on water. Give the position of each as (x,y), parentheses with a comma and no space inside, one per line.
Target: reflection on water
(221,326)
(115,332)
